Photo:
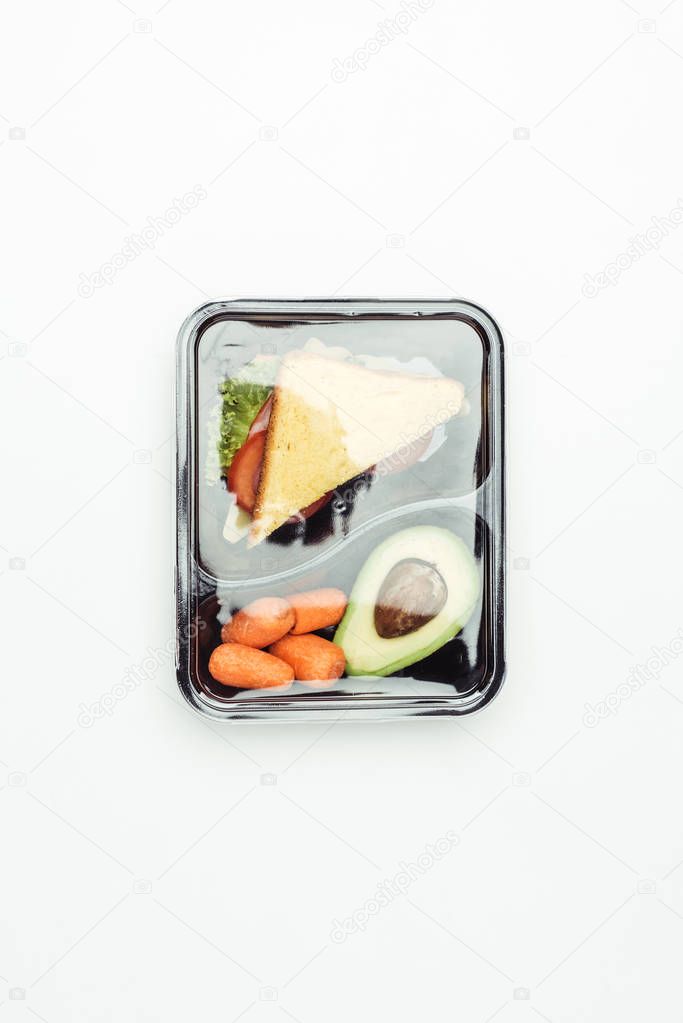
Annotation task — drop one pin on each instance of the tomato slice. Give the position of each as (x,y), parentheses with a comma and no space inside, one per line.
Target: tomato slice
(262,419)
(313,508)
(245,471)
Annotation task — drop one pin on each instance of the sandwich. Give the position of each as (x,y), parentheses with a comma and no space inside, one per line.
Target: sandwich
(324,421)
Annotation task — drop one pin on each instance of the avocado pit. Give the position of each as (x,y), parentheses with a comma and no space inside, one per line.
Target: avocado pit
(412,594)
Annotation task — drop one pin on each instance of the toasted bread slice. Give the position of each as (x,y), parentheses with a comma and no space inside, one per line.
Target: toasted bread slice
(332,419)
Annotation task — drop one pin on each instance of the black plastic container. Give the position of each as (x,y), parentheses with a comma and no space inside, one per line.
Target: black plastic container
(458,485)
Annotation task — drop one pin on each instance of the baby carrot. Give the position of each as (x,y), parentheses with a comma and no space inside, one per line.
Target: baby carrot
(233,664)
(317,609)
(260,623)
(312,657)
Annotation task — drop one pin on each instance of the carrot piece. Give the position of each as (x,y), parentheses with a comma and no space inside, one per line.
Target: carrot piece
(233,664)
(260,623)
(312,657)
(317,609)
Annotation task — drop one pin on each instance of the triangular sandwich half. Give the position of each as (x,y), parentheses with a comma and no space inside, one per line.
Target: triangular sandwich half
(332,419)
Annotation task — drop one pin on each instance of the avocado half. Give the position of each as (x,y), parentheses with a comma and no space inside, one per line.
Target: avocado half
(368,653)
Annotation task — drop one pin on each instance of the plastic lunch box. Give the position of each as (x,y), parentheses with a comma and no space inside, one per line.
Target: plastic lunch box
(458,485)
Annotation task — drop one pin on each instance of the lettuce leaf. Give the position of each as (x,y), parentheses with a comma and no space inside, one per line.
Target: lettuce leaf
(242,398)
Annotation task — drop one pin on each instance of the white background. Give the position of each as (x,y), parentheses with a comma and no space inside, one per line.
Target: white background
(159,867)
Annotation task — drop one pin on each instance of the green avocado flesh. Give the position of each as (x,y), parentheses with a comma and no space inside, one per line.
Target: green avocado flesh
(450,562)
